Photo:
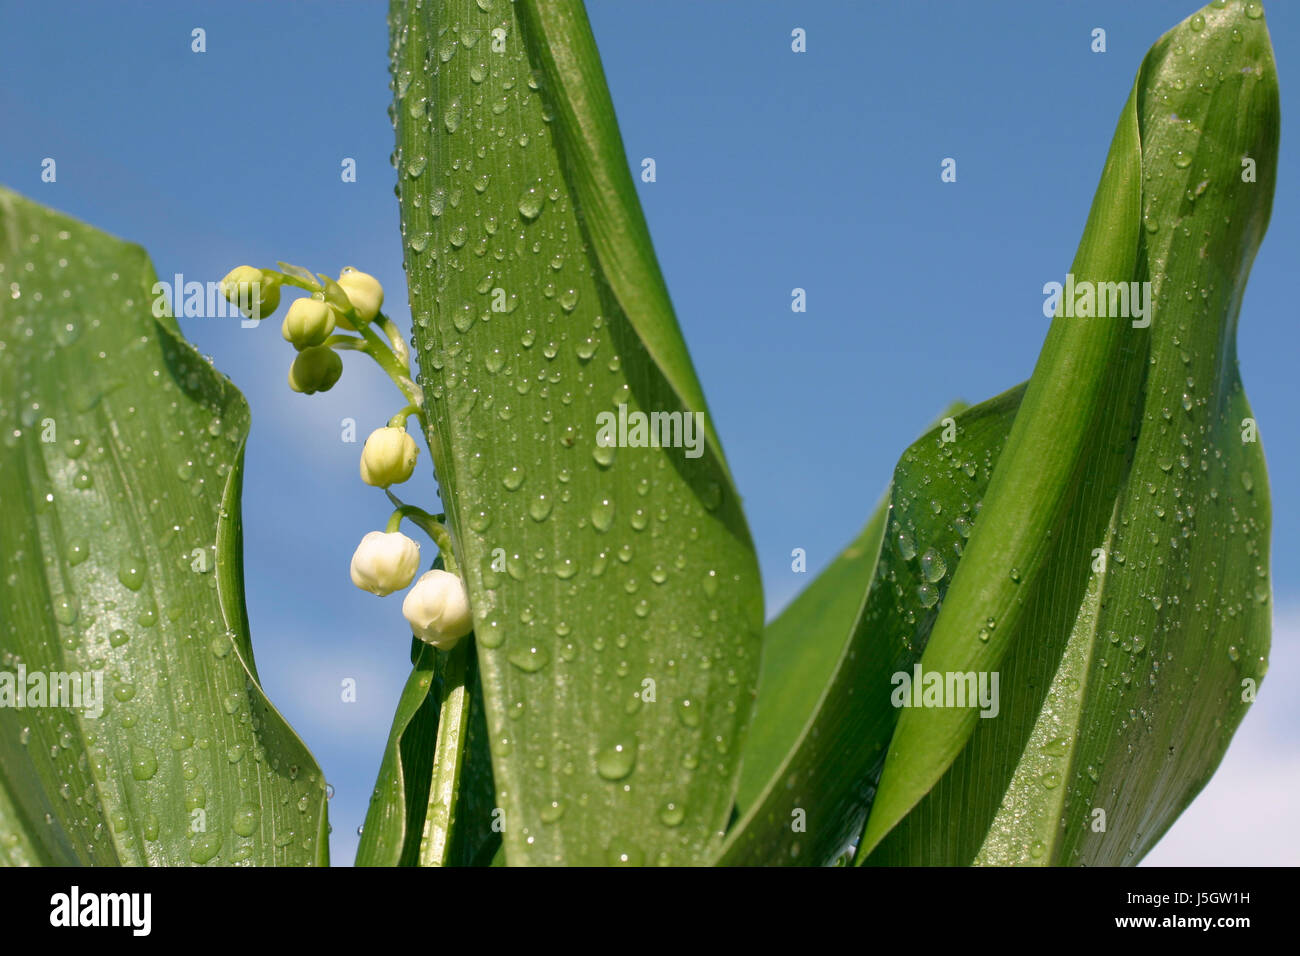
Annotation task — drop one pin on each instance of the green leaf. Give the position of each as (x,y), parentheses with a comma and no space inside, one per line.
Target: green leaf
(826,777)
(122,463)
(801,648)
(402,816)
(304,276)
(394,821)
(1120,688)
(616,596)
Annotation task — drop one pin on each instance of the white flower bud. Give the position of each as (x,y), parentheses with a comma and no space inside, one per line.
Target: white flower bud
(385,562)
(388,457)
(309,322)
(254,294)
(437,609)
(364,292)
(316,369)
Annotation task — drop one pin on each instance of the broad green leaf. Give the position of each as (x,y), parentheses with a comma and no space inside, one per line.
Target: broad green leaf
(616,596)
(801,648)
(826,777)
(120,473)
(1120,687)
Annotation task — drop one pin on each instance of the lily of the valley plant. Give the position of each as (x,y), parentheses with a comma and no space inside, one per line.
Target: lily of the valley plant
(1036,652)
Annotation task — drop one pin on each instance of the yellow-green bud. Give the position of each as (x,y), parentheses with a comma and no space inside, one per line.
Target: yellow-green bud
(385,562)
(316,369)
(309,322)
(388,457)
(253,293)
(364,292)
(437,609)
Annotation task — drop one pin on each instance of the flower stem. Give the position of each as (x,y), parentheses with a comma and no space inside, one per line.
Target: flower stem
(395,339)
(399,420)
(401,375)
(430,524)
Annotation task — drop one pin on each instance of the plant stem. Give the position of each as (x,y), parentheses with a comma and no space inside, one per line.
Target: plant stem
(430,524)
(394,334)
(399,420)
(401,375)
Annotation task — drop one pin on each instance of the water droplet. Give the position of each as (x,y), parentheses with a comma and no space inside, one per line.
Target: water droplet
(144,763)
(131,572)
(616,762)
(529,659)
(688,713)
(205,847)
(933,566)
(78,551)
(1197,23)
(671,814)
(1056,747)
(437,200)
(602,514)
(530,203)
(906,545)
(1182,160)
(65,611)
(711,584)
(539,509)
(245,819)
(624,856)
(451,116)
(220,645)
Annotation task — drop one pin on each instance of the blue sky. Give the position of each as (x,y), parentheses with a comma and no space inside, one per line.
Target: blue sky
(775,170)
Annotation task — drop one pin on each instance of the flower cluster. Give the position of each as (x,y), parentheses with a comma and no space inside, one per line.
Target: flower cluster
(317,326)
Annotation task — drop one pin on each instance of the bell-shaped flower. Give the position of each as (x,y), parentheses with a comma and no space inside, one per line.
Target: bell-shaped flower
(385,562)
